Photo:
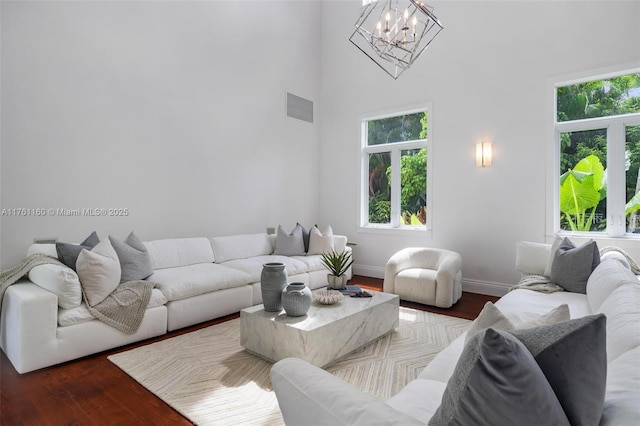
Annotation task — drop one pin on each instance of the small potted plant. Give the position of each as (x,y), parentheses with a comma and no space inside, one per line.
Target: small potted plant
(337,264)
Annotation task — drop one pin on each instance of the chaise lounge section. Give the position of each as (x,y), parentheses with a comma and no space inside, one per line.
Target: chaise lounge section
(597,382)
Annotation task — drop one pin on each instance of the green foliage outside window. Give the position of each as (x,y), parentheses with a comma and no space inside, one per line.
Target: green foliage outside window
(413,165)
(583,154)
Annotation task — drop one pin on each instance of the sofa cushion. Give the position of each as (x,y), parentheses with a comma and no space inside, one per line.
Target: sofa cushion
(420,398)
(135,262)
(622,309)
(188,281)
(80,314)
(175,252)
(572,354)
(99,272)
(573,265)
(240,246)
(522,305)
(320,242)
(607,276)
(497,382)
(289,244)
(622,397)
(68,253)
(313,262)
(614,254)
(253,266)
(46,249)
(59,280)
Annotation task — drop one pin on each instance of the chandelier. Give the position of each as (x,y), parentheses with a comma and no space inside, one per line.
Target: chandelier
(393,33)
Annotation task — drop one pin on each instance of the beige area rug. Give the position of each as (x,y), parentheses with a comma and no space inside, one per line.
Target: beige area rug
(208,377)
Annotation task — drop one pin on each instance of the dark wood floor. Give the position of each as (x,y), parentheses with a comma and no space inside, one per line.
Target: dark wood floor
(93,391)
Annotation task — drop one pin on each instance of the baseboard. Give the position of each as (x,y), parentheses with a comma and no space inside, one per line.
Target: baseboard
(369,271)
(472,286)
(485,287)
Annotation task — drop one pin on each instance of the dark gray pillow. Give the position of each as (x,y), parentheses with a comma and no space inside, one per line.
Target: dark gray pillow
(305,237)
(573,357)
(497,382)
(68,253)
(572,266)
(135,261)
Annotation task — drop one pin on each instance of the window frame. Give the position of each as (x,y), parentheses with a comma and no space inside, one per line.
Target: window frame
(395,149)
(614,126)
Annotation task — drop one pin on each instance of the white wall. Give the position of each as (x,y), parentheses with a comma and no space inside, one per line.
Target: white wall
(489,77)
(174,110)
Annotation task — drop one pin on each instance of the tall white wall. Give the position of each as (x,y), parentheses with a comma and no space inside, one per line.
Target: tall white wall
(489,77)
(173,110)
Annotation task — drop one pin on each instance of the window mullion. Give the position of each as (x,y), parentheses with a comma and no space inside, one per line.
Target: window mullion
(395,187)
(616,225)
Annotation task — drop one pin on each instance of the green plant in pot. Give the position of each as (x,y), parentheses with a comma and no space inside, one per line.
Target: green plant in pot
(337,264)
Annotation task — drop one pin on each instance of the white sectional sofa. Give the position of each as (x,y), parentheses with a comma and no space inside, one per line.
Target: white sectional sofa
(198,279)
(309,395)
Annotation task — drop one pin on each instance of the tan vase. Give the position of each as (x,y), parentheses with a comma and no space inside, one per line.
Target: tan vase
(337,282)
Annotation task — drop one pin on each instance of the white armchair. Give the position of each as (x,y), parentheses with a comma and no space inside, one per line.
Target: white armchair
(425,275)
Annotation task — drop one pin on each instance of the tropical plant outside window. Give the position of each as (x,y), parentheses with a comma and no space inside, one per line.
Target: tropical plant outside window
(598,126)
(395,158)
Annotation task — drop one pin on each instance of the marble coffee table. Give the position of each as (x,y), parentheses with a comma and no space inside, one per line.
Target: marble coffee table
(325,334)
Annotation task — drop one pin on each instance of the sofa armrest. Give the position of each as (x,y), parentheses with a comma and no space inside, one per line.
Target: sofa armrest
(28,324)
(448,276)
(309,395)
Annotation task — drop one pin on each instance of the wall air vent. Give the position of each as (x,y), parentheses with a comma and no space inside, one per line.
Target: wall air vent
(299,108)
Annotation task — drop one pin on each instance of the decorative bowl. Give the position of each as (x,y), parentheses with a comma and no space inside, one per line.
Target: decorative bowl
(327,297)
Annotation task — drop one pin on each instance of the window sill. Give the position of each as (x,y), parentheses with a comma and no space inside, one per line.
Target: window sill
(390,230)
(627,241)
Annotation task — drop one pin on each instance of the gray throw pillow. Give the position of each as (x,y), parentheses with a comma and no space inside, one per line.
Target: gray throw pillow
(305,237)
(573,265)
(497,382)
(135,261)
(573,357)
(68,253)
(289,244)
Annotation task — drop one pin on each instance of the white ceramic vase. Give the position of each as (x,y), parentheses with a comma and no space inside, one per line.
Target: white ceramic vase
(296,299)
(337,282)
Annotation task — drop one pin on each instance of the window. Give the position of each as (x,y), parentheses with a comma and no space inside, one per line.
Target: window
(597,128)
(395,183)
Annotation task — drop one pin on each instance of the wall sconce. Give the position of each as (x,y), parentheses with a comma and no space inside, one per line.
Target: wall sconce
(484,155)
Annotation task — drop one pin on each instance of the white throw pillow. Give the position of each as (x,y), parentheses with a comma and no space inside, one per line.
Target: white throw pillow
(59,280)
(99,272)
(554,248)
(320,242)
(492,317)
